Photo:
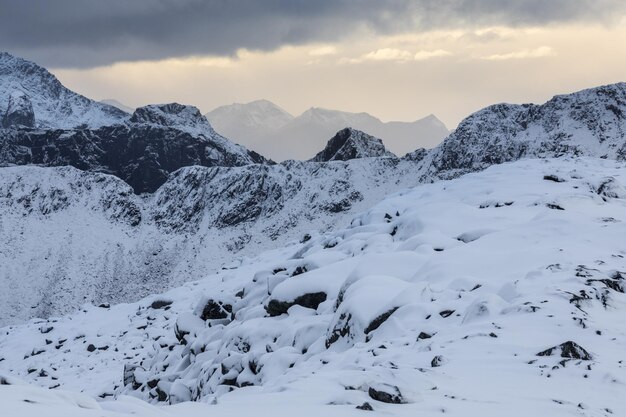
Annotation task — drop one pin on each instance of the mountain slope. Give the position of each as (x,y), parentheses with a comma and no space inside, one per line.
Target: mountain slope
(516,270)
(201,219)
(54,106)
(248,121)
(268,129)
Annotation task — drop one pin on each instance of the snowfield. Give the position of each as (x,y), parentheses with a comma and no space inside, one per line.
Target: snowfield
(496,293)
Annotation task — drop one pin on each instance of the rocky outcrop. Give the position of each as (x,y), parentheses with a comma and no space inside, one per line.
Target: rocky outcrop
(19,111)
(142,152)
(586,123)
(352,144)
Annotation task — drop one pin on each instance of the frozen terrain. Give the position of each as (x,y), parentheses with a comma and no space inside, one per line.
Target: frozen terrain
(71,236)
(201,219)
(497,293)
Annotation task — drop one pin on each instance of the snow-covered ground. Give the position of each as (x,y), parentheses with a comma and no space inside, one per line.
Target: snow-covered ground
(497,293)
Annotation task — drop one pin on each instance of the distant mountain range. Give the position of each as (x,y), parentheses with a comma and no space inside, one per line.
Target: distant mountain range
(268,129)
(115,103)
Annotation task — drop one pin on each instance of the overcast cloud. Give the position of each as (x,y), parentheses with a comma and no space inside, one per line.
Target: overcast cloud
(89,33)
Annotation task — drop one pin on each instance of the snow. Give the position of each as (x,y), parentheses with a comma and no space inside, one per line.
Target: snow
(472,314)
(54,105)
(119,247)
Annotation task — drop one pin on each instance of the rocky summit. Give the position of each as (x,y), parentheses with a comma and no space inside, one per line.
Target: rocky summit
(351,144)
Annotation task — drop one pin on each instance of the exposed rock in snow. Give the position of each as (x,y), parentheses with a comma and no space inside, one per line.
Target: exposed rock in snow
(19,112)
(178,116)
(349,144)
(200,220)
(143,152)
(568,350)
(54,106)
(587,123)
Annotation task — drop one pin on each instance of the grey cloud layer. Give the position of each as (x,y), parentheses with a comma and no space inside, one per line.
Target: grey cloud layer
(66,33)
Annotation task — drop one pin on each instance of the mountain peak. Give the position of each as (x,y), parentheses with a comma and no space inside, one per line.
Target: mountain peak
(350,143)
(182,117)
(53,105)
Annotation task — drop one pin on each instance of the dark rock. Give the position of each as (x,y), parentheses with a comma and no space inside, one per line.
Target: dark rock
(143,155)
(341,330)
(554,206)
(216,310)
(423,336)
(159,304)
(437,361)
(568,350)
(311,300)
(129,376)
(350,144)
(386,393)
(553,178)
(378,321)
(91,348)
(365,406)
(446,313)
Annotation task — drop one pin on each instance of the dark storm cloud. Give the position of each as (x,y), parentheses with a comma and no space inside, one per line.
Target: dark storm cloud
(66,33)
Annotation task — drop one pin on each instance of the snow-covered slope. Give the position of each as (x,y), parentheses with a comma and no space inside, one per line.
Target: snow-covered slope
(54,106)
(497,293)
(199,220)
(155,141)
(247,123)
(268,129)
(349,144)
(591,122)
(203,218)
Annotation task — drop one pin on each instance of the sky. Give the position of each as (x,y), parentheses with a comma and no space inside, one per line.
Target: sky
(396,59)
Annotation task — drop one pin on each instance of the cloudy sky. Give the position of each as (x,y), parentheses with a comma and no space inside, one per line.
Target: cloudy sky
(397,59)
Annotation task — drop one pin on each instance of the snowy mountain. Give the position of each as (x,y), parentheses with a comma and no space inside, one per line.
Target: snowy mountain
(351,144)
(497,293)
(155,141)
(248,122)
(203,218)
(270,130)
(591,122)
(53,105)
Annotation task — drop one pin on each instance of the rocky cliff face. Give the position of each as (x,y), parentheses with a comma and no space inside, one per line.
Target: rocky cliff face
(349,144)
(156,140)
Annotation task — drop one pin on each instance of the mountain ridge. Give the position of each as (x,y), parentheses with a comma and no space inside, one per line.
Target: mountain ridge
(302,136)
(54,106)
